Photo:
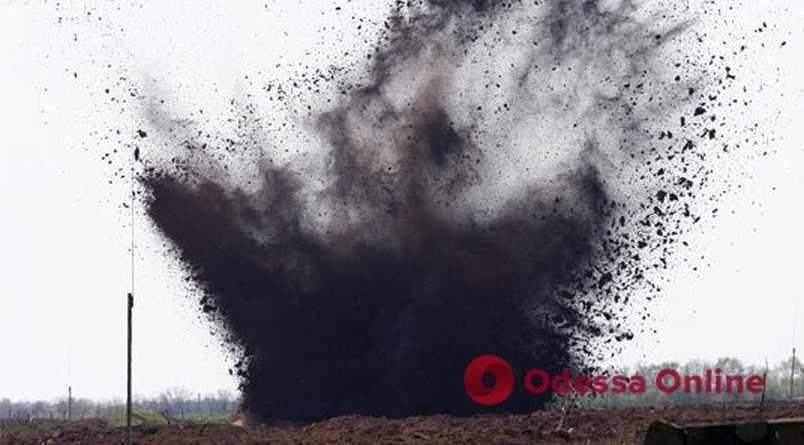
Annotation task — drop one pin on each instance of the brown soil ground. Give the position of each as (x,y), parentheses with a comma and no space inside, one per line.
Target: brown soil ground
(618,426)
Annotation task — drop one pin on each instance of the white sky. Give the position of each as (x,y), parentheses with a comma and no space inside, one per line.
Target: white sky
(64,269)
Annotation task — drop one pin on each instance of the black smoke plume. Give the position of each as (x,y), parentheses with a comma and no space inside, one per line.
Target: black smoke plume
(488,188)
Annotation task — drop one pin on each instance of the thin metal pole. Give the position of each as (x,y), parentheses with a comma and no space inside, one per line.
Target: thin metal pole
(130,301)
(69,403)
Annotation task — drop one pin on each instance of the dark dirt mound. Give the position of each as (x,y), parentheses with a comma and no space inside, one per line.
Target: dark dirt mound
(617,426)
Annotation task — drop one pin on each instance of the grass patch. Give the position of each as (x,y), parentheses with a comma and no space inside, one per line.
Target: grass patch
(155,418)
(137,418)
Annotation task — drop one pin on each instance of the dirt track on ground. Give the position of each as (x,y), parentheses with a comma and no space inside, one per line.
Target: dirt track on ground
(619,426)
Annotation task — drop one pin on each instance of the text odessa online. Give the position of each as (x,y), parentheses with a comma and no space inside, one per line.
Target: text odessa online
(668,381)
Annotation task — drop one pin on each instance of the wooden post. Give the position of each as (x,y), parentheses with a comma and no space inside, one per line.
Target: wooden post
(69,403)
(764,387)
(130,306)
(792,372)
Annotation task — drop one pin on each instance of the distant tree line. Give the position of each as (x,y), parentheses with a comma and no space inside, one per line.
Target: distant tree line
(181,403)
(175,403)
(777,384)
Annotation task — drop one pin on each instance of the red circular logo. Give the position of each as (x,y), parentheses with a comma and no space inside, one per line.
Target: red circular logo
(473,380)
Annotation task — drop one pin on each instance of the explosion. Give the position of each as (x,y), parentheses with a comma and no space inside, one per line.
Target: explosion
(501,180)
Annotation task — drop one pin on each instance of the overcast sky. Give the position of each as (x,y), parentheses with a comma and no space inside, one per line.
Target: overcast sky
(64,235)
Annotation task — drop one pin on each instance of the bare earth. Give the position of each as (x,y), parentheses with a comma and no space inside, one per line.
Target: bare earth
(621,426)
